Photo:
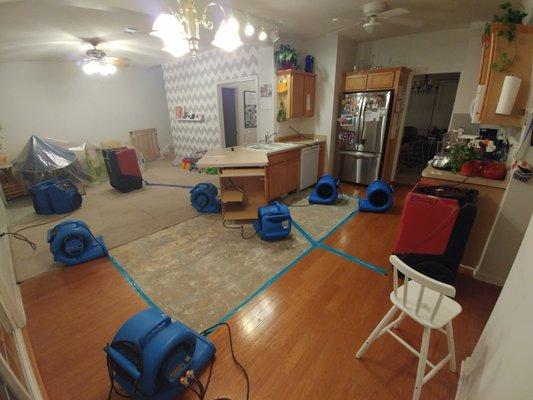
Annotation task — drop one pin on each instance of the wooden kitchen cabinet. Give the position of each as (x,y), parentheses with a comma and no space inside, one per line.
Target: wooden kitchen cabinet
(277,180)
(292,177)
(492,80)
(299,100)
(355,83)
(382,79)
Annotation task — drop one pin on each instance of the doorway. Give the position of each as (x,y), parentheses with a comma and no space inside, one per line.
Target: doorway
(427,120)
(238,111)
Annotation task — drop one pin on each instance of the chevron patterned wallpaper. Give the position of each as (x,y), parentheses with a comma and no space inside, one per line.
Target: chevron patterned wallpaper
(191,83)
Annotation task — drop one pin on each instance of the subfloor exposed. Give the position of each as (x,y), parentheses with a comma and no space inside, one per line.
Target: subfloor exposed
(198,271)
(119,217)
(297,338)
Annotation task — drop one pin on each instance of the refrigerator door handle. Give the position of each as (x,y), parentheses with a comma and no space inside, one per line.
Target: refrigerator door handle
(361,125)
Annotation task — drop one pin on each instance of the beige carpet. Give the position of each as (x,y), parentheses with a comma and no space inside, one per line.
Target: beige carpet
(119,217)
(198,271)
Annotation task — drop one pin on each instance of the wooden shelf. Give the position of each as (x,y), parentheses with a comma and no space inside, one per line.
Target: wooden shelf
(232,196)
(241,172)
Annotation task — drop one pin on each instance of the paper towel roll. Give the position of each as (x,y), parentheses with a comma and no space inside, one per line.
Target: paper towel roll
(511,85)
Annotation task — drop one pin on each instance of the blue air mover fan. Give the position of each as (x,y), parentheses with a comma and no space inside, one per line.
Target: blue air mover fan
(326,191)
(71,243)
(273,221)
(55,197)
(204,198)
(150,353)
(379,197)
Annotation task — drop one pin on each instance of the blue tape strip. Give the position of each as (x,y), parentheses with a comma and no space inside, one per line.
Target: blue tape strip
(336,227)
(351,258)
(265,285)
(133,284)
(304,233)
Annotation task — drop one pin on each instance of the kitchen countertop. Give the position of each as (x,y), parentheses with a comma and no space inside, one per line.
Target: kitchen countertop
(434,173)
(246,156)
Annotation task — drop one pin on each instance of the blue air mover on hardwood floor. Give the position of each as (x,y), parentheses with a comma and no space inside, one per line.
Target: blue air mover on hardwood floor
(326,191)
(71,243)
(273,221)
(204,198)
(151,353)
(379,197)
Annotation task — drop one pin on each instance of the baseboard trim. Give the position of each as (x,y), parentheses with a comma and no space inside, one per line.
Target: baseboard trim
(494,280)
(29,369)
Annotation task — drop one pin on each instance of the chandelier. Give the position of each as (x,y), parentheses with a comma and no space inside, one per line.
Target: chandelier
(180,30)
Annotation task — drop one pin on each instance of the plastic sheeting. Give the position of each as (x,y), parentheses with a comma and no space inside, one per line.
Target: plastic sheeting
(45,158)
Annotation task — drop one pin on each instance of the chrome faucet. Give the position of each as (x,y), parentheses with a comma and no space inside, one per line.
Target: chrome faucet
(268,136)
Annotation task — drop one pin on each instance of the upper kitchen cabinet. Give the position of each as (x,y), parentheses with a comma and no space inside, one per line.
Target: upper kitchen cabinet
(378,79)
(491,79)
(296,90)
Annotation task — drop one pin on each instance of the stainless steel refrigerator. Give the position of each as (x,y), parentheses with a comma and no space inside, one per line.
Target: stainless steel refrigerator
(363,126)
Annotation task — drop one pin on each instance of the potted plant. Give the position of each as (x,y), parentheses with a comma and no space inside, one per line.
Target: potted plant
(509,19)
(286,57)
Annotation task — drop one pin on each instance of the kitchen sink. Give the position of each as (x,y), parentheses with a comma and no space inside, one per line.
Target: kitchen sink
(270,146)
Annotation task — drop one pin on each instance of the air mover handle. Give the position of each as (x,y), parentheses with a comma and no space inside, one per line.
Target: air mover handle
(124,363)
(163,322)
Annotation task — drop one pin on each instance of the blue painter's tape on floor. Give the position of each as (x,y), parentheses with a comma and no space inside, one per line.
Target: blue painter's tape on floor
(353,259)
(265,285)
(169,185)
(133,284)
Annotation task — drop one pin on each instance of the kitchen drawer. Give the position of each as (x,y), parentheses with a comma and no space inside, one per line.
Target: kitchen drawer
(381,80)
(277,158)
(355,82)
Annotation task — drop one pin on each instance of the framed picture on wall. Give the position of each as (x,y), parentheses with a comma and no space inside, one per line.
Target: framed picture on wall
(250,109)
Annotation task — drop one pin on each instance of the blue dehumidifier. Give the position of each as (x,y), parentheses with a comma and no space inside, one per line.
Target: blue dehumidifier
(379,197)
(204,198)
(326,191)
(72,242)
(150,353)
(55,197)
(273,222)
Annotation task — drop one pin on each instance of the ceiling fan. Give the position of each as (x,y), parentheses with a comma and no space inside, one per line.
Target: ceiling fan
(97,62)
(378,13)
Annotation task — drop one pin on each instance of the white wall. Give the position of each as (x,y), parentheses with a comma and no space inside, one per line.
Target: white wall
(515,210)
(58,100)
(500,365)
(453,50)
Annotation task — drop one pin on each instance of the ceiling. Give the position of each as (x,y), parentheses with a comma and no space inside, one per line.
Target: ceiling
(58,30)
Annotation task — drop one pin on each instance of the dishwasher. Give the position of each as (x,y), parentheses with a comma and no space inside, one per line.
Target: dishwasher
(309,166)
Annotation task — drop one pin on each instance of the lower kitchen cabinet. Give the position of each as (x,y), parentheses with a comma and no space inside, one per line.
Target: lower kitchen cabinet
(277,180)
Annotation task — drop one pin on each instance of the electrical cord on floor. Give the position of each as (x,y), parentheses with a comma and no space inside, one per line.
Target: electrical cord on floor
(205,332)
(33,245)
(241,227)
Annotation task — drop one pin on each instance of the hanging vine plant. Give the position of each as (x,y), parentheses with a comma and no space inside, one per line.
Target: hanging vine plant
(510,19)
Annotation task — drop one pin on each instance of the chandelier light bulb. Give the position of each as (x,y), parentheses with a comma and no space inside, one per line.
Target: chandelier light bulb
(227,37)
(263,35)
(249,29)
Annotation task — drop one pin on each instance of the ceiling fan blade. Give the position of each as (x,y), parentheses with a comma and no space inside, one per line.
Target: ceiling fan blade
(344,28)
(394,12)
(413,23)
(117,61)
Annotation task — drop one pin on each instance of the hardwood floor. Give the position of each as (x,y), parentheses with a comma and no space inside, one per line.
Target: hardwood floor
(297,339)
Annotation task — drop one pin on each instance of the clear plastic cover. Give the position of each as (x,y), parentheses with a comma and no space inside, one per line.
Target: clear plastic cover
(45,158)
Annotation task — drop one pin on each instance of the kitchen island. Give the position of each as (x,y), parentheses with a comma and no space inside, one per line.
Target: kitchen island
(490,194)
(252,175)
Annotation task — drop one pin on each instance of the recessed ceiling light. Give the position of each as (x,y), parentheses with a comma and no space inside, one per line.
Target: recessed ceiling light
(130,29)
(263,35)
(335,19)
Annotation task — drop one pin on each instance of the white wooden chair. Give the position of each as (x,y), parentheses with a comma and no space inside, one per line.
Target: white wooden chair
(426,301)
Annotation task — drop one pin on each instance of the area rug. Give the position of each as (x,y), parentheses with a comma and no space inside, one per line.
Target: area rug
(198,271)
(119,217)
